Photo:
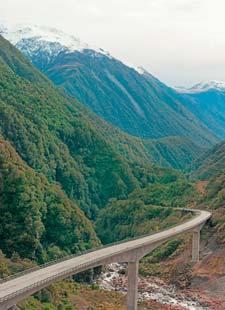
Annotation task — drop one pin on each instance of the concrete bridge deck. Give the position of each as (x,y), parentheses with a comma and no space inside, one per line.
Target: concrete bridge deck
(16,289)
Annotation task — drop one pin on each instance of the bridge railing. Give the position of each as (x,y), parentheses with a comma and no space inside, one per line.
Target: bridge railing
(46,280)
(64,258)
(68,272)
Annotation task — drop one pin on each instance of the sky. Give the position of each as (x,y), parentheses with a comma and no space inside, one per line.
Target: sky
(182,42)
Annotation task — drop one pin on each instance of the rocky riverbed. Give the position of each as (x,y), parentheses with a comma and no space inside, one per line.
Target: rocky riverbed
(153,289)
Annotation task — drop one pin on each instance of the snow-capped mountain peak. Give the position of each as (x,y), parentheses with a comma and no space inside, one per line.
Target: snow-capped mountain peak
(31,39)
(203,87)
(18,33)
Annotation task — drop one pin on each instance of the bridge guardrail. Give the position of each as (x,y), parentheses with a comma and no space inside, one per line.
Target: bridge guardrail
(69,271)
(52,262)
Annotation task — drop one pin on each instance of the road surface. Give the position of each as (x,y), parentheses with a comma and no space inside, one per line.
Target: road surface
(16,289)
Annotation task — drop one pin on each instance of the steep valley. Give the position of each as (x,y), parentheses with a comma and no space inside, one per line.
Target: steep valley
(130,98)
(70,181)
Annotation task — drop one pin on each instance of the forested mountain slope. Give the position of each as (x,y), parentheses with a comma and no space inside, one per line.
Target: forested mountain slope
(210,170)
(207,102)
(143,211)
(59,157)
(211,164)
(176,152)
(58,137)
(37,220)
(133,100)
(53,135)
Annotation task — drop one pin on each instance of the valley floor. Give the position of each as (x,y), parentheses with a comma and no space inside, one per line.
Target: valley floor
(153,289)
(68,295)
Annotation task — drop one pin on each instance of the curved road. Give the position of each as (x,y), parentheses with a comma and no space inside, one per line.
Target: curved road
(16,289)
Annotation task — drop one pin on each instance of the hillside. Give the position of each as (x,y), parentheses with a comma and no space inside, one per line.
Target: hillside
(131,99)
(37,220)
(146,210)
(61,165)
(176,152)
(210,170)
(207,102)
(56,159)
(57,138)
(211,164)
(60,138)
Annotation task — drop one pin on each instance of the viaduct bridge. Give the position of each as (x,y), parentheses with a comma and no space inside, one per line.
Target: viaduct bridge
(20,286)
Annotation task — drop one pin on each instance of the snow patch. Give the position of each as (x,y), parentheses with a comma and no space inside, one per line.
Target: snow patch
(138,69)
(42,34)
(32,39)
(203,87)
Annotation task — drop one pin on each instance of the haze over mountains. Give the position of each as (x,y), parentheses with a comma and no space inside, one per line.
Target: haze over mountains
(129,98)
(207,102)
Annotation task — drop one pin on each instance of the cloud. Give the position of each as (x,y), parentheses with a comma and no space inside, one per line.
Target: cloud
(185,6)
(181,41)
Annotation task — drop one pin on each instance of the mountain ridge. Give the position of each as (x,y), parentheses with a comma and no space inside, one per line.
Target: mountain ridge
(131,99)
(208,105)
(203,86)
(65,165)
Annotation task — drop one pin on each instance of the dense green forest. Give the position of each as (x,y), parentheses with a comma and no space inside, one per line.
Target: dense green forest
(133,100)
(210,164)
(176,152)
(55,138)
(137,103)
(210,170)
(37,220)
(63,159)
(146,210)
(131,218)
(70,182)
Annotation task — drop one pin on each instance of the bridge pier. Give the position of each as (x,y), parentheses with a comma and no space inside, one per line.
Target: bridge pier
(132,285)
(195,245)
(17,288)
